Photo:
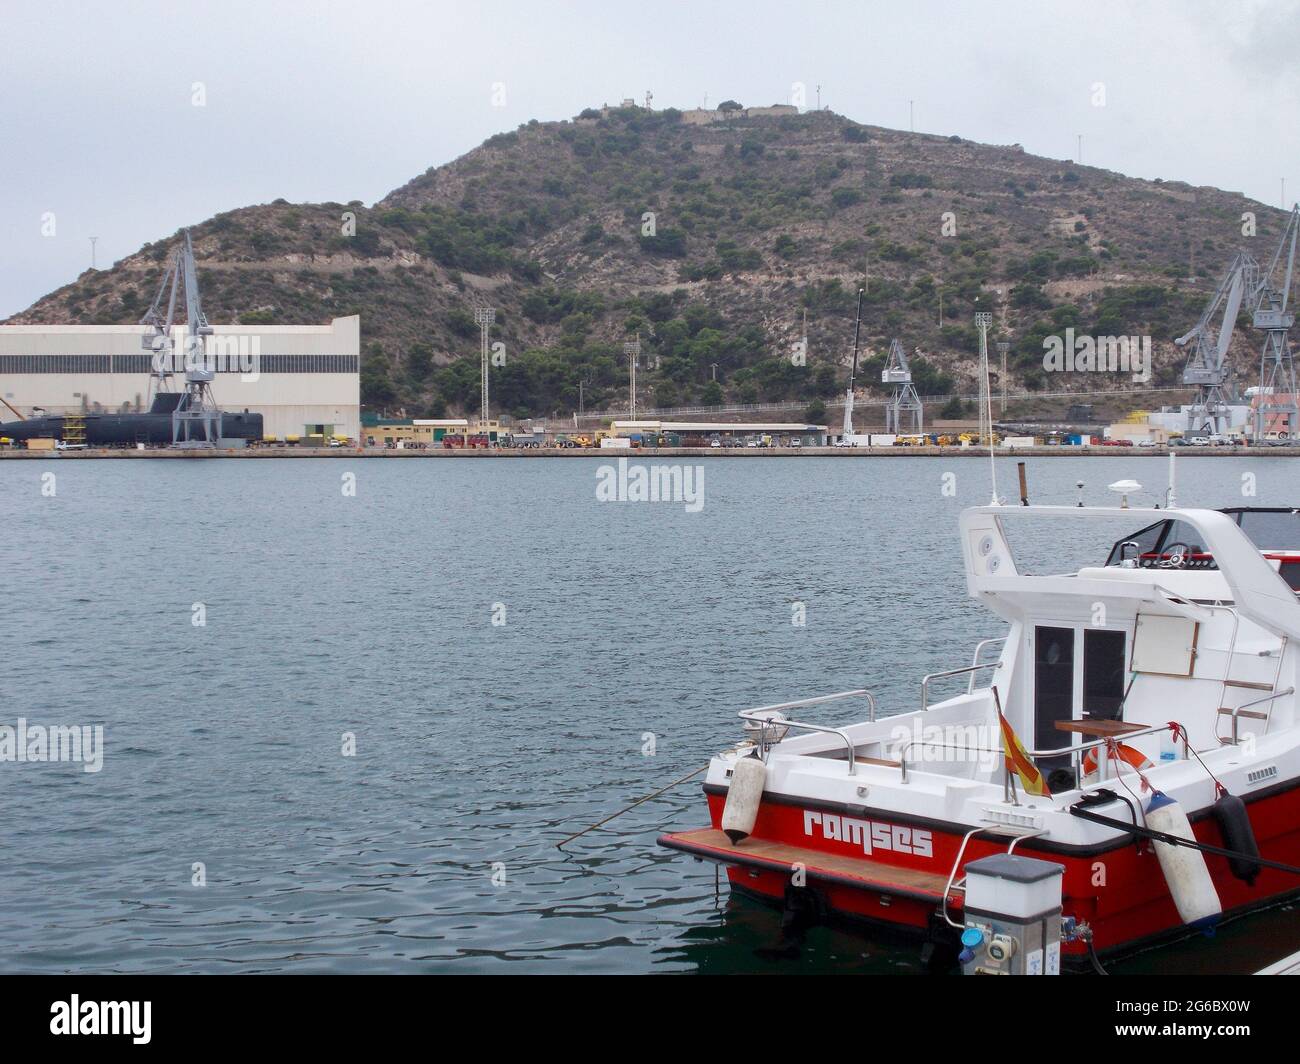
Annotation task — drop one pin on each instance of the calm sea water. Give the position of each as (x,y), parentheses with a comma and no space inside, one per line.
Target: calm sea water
(627,629)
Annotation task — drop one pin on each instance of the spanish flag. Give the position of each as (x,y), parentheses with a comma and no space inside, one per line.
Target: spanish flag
(1018,761)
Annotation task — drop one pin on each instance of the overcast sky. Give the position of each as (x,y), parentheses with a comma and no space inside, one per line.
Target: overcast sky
(341,101)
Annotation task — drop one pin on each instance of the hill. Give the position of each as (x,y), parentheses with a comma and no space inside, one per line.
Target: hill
(709,240)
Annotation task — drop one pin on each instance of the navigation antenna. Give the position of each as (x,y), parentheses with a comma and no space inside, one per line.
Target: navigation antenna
(983,319)
(853,373)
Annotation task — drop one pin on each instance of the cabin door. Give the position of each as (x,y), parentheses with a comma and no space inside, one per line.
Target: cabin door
(1053,692)
(1104,669)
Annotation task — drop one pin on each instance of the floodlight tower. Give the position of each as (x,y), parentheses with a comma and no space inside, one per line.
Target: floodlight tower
(1003,348)
(633,351)
(484,317)
(983,319)
(904,400)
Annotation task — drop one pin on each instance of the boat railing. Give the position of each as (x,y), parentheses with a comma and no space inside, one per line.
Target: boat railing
(1075,753)
(972,669)
(999,642)
(771,731)
(1257,702)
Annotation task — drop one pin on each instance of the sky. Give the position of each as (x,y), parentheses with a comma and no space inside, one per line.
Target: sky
(127,120)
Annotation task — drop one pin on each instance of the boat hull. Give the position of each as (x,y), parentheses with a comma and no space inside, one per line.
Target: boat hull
(882,867)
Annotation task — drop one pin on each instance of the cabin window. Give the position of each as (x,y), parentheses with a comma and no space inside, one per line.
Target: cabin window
(1053,691)
(1104,654)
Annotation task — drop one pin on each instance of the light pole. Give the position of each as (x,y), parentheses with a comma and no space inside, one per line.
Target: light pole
(484,317)
(632,349)
(1003,348)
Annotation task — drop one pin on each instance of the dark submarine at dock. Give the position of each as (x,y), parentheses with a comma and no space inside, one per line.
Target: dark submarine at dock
(154,427)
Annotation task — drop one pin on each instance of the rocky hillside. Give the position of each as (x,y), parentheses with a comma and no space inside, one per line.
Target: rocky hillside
(709,242)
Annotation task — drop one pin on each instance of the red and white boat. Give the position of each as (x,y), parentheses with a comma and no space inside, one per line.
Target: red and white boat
(1169,670)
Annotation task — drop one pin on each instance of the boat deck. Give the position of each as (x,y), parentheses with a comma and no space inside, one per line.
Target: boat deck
(712,844)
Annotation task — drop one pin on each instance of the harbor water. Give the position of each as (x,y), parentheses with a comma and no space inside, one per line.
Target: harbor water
(345,721)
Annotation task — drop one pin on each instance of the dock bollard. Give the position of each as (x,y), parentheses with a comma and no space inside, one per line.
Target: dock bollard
(1013,917)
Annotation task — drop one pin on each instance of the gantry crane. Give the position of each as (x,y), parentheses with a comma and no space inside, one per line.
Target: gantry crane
(1276,412)
(1266,292)
(196,406)
(1207,367)
(904,400)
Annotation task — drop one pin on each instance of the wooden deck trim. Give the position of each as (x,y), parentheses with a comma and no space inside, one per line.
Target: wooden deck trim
(769,855)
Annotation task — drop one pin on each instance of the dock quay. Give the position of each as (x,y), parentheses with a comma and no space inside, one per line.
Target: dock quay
(657,452)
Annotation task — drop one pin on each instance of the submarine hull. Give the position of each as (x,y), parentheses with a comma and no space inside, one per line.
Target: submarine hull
(116,430)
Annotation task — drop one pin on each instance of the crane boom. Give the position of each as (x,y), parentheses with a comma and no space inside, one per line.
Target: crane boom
(195,407)
(853,373)
(1277,414)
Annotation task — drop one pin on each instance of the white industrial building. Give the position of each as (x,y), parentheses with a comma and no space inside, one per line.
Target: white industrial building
(302,379)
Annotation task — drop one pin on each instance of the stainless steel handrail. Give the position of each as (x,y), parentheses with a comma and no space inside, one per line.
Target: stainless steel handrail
(975,658)
(1256,702)
(860,692)
(766,722)
(1071,751)
(925,682)
(848,743)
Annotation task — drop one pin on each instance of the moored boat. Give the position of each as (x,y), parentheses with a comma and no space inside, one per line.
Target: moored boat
(1137,725)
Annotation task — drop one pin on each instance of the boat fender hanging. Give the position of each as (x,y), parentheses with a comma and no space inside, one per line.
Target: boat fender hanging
(743,798)
(1184,868)
(1234,823)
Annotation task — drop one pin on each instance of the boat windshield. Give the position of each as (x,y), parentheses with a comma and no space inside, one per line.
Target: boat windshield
(1269,529)
(1175,543)
(1165,543)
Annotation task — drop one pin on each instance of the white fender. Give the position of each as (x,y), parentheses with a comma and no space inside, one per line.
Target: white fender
(1184,868)
(743,798)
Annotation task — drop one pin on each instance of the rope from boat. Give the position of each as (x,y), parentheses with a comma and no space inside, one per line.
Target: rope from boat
(653,794)
(1179,732)
(1175,840)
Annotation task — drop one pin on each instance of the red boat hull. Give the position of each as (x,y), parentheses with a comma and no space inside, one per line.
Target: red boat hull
(1119,890)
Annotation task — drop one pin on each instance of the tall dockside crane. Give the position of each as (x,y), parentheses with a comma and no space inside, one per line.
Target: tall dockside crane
(904,401)
(853,373)
(196,406)
(1276,412)
(1266,292)
(1207,367)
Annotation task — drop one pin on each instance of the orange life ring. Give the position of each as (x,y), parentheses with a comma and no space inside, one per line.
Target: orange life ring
(1129,755)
